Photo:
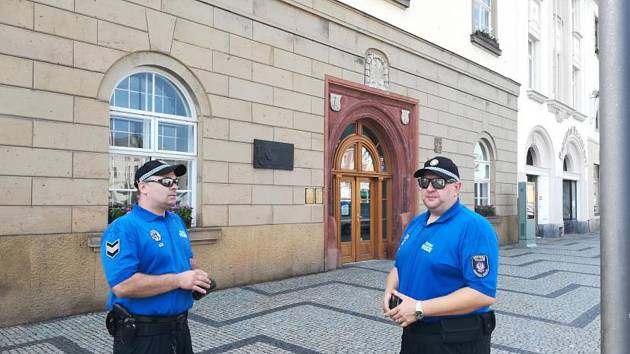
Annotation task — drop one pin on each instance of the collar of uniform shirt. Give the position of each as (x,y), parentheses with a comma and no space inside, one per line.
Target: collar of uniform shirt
(145,214)
(454,209)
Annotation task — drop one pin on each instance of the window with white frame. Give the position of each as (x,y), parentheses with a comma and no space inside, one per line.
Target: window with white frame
(575,16)
(534,14)
(482,174)
(558,55)
(483,16)
(575,87)
(532,57)
(151,117)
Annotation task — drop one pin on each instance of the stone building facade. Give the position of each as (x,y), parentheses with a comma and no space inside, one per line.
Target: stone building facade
(89,89)
(558,129)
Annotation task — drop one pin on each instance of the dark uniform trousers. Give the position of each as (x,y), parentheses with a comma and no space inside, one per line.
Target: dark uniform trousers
(464,335)
(155,335)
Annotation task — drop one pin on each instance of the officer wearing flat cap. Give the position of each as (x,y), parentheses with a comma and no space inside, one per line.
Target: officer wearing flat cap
(150,268)
(445,275)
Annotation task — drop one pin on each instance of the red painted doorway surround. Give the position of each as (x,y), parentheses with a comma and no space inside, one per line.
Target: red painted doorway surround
(396,119)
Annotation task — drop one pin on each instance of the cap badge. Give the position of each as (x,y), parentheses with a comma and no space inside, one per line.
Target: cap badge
(434,162)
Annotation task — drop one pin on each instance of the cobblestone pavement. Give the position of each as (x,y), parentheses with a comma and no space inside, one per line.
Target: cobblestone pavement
(548,302)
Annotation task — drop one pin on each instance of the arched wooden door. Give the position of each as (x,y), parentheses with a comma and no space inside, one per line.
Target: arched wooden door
(362,189)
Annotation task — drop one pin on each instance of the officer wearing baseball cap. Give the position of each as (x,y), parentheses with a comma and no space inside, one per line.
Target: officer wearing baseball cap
(149,266)
(445,275)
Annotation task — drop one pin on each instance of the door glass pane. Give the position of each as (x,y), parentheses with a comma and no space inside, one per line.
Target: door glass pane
(365,196)
(566,199)
(531,200)
(385,210)
(347,160)
(367,161)
(345,207)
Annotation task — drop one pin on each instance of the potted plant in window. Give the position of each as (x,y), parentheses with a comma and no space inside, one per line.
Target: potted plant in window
(487,40)
(184,212)
(485,210)
(116,212)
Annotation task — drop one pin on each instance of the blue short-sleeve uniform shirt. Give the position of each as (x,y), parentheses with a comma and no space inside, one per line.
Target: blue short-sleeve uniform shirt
(458,250)
(143,242)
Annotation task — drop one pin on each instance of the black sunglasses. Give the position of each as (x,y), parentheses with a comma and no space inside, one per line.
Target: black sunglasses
(437,183)
(166,181)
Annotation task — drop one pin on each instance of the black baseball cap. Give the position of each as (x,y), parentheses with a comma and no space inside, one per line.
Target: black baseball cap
(157,168)
(441,166)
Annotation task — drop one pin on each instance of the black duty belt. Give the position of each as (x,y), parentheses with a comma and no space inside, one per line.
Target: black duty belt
(121,322)
(457,329)
(160,319)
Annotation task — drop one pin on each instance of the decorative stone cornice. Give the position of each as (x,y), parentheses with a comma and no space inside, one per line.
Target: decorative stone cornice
(563,111)
(560,109)
(536,96)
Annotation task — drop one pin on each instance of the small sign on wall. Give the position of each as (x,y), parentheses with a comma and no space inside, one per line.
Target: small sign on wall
(309,198)
(273,155)
(313,195)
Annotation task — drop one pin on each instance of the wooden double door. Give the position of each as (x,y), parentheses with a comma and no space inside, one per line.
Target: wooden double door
(357,215)
(362,189)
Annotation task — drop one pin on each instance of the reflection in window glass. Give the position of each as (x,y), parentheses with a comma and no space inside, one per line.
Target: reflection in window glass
(122,169)
(168,99)
(347,160)
(482,16)
(366,211)
(175,137)
(345,211)
(129,132)
(134,92)
(367,161)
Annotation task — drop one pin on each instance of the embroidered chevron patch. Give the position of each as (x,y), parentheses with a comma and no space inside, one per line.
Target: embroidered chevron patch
(112,248)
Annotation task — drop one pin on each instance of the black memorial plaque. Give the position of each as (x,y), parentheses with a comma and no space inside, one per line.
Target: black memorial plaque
(274,155)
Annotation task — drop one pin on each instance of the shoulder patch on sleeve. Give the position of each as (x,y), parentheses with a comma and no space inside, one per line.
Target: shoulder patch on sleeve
(480,265)
(112,248)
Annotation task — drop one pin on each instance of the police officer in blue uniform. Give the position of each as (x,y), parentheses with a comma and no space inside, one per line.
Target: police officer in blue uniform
(149,265)
(445,274)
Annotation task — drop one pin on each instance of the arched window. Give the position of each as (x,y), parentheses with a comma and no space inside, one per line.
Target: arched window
(566,164)
(530,157)
(482,174)
(151,117)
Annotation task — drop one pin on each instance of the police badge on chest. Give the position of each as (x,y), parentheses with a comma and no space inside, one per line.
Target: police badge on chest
(155,235)
(480,265)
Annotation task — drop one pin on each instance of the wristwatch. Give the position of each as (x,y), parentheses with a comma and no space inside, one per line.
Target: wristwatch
(419,312)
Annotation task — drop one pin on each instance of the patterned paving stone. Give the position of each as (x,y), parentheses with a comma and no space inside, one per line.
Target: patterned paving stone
(547,302)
